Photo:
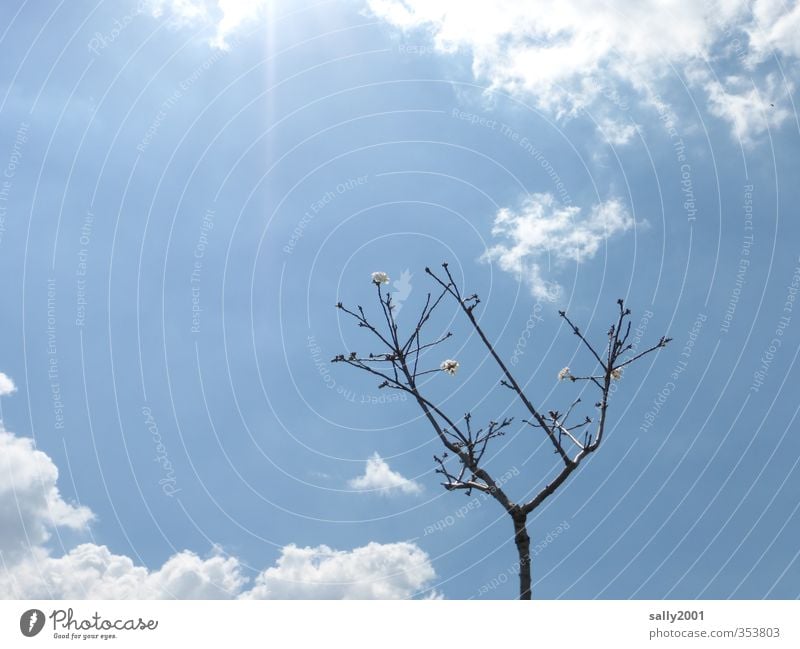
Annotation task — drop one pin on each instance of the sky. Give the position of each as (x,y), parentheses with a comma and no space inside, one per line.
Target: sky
(190,186)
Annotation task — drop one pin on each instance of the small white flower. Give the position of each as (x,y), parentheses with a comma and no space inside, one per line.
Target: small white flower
(564,374)
(616,374)
(450,366)
(380,278)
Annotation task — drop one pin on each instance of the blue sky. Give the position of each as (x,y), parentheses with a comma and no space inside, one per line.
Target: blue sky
(188,189)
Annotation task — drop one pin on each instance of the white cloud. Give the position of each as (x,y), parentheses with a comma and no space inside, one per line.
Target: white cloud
(379,477)
(575,55)
(31,509)
(774,29)
(616,133)
(235,14)
(375,571)
(183,12)
(225,16)
(550,49)
(544,228)
(582,54)
(6,385)
(749,110)
(30,503)
(91,571)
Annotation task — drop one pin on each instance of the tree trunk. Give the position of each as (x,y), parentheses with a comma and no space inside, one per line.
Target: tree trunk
(523,542)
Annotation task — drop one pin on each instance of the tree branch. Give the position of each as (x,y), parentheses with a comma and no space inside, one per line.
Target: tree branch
(510,380)
(469,446)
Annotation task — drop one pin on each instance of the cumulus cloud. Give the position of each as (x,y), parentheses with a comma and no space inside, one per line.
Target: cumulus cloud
(226,17)
(773,29)
(542,228)
(31,509)
(180,12)
(616,133)
(30,503)
(6,385)
(569,56)
(375,571)
(235,14)
(576,55)
(558,51)
(91,571)
(379,477)
(749,109)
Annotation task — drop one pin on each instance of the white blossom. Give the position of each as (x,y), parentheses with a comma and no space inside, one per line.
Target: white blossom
(450,366)
(616,373)
(380,278)
(564,374)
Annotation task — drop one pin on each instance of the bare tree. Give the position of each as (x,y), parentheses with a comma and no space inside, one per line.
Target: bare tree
(398,366)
